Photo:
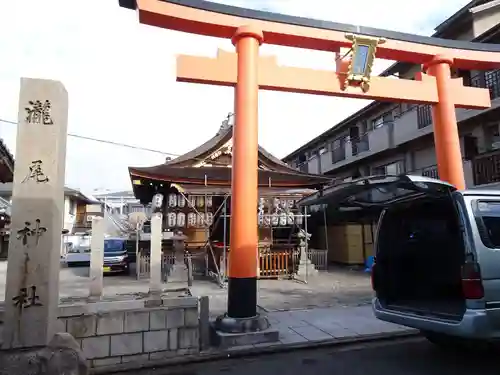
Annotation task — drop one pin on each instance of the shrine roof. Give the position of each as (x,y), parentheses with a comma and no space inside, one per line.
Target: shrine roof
(224,135)
(6,163)
(221,176)
(150,180)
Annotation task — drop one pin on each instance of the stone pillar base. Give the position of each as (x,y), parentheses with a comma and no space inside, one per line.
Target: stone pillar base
(62,356)
(306,267)
(229,332)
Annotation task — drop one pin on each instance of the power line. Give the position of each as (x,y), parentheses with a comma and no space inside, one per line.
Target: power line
(119,144)
(331,148)
(108,142)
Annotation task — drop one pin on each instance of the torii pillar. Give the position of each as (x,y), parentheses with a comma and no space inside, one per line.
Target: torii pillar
(242,282)
(446,138)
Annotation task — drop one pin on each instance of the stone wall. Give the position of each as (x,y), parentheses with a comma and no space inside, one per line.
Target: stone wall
(129,334)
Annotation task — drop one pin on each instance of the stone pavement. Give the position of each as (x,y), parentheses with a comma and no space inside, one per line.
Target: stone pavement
(302,328)
(337,287)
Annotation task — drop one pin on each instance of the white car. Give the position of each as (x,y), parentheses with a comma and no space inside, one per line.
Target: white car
(78,253)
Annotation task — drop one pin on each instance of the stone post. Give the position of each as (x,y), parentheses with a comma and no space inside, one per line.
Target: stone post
(32,287)
(96,252)
(155,276)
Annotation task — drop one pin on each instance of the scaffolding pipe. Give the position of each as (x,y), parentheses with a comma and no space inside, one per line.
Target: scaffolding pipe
(326,229)
(306,245)
(225,242)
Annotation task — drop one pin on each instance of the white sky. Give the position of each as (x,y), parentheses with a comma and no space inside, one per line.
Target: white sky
(120,77)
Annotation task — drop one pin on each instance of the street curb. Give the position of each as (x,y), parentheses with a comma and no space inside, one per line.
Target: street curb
(247,351)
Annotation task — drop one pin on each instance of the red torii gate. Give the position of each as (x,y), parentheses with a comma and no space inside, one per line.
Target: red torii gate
(248,72)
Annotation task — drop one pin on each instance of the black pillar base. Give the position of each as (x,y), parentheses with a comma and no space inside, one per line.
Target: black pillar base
(241,313)
(242,297)
(255,323)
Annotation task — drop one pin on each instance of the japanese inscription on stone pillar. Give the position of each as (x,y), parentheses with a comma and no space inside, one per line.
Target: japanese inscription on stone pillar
(32,292)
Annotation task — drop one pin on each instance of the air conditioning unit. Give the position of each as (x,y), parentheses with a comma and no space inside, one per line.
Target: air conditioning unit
(90,218)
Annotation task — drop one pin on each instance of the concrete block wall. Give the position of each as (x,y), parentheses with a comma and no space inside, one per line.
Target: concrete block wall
(117,335)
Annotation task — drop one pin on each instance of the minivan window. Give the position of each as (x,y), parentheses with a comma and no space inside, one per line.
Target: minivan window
(487,216)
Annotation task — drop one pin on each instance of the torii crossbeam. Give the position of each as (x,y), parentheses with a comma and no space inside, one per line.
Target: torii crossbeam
(249,72)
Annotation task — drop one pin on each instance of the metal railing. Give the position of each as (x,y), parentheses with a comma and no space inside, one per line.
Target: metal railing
(431,172)
(319,258)
(488,80)
(486,168)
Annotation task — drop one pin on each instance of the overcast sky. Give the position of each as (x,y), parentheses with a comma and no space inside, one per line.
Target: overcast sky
(120,77)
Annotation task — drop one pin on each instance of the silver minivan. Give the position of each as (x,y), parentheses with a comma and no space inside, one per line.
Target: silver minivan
(437,253)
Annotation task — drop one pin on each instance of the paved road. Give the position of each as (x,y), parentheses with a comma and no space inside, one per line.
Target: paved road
(409,357)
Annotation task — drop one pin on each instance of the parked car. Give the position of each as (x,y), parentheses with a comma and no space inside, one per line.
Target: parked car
(116,258)
(78,256)
(78,250)
(437,254)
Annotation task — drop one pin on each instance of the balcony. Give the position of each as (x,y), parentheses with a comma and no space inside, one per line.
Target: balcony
(486,168)
(360,144)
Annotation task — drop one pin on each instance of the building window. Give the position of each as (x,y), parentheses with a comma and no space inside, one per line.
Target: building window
(72,207)
(488,80)
(378,122)
(492,80)
(388,118)
(492,136)
(424,116)
(338,149)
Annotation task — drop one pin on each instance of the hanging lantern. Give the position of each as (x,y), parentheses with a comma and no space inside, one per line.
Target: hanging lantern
(275,220)
(172,200)
(283,220)
(299,219)
(200,201)
(200,220)
(171,219)
(191,220)
(181,219)
(181,201)
(267,220)
(209,201)
(260,218)
(192,201)
(209,218)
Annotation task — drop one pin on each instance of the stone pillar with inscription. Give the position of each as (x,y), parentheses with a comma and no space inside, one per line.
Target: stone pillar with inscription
(156,258)
(32,287)
(96,251)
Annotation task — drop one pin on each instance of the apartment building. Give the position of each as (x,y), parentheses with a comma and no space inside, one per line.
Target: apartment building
(393,138)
